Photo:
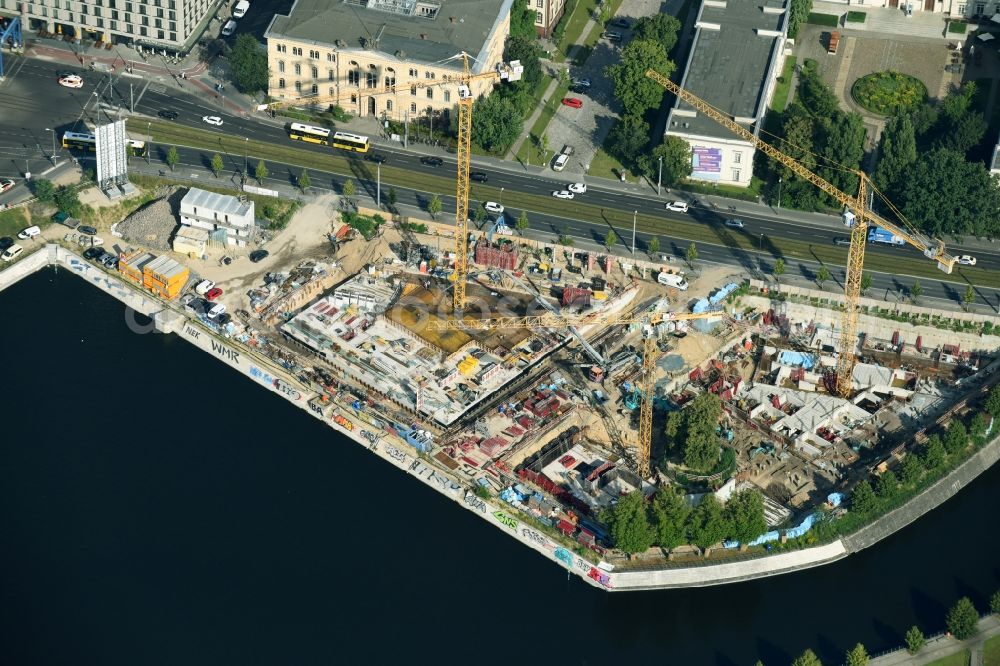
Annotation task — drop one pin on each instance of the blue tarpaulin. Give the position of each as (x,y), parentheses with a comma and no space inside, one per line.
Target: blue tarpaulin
(721,295)
(800,359)
(774,535)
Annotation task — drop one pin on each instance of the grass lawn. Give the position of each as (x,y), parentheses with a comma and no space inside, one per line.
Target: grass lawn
(959,659)
(829,20)
(606,166)
(856,17)
(575,23)
(991,652)
(529,152)
(957,27)
(784,86)
(13,220)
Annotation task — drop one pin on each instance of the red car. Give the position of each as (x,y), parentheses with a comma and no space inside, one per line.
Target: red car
(6,184)
(213,293)
(573,102)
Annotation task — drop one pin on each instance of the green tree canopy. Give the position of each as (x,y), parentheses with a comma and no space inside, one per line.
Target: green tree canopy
(956,437)
(522,223)
(807,658)
(691,254)
(629,524)
(915,640)
(779,267)
(68,201)
(248,64)
(669,513)
(887,485)
(217,164)
(498,123)
(963,619)
(349,189)
(745,515)
(797,16)
(822,275)
(693,430)
(260,172)
(654,245)
(44,190)
(857,656)
(863,498)
(992,404)
(912,469)
(978,425)
(707,524)
(995,603)
(434,206)
(843,141)
(526,50)
(173,157)
(897,152)
(965,133)
(303,180)
(945,194)
(522,21)
(677,165)
(934,453)
(629,138)
(636,92)
(662,28)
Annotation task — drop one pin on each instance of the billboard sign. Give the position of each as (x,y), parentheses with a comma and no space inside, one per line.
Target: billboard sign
(706,162)
(112,161)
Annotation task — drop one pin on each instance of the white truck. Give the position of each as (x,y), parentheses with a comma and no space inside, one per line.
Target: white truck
(240,10)
(562,159)
(675,280)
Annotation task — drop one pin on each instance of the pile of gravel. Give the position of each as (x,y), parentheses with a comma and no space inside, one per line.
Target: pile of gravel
(152,226)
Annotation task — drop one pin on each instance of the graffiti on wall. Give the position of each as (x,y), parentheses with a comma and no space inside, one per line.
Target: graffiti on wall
(505,520)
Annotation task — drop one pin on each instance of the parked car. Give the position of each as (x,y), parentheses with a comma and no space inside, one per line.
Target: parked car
(6,184)
(377,158)
(841,240)
(562,194)
(581,83)
(202,287)
(613,36)
(258,255)
(966,260)
(734,223)
(573,102)
(213,294)
(228,29)
(30,232)
(478,176)
(431,161)
(198,305)
(216,310)
(213,120)
(559,163)
(621,22)
(10,254)
(223,319)
(577,188)
(187,298)
(677,206)
(89,231)
(93,253)
(493,207)
(5,243)
(71,81)
(168,114)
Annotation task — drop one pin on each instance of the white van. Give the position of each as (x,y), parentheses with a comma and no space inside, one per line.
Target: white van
(675,280)
(240,10)
(10,254)
(28,233)
(229,28)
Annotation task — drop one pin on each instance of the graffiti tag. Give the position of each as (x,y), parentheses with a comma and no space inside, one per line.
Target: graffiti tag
(506,520)
(261,376)
(226,352)
(532,535)
(282,387)
(475,503)
(395,454)
(315,408)
(196,334)
(564,556)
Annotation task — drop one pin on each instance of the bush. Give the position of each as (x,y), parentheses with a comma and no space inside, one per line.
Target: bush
(363,224)
(957,27)
(856,17)
(886,93)
(830,20)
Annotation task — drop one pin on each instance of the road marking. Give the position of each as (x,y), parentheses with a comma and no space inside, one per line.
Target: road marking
(159,89)
(141,93)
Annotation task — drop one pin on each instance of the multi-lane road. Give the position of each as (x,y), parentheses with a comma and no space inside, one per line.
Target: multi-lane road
(36,109)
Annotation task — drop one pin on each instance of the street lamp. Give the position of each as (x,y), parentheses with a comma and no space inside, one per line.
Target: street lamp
(53,158)
(659,176)
(635,213)
(779,192)
(148,139)
(246,141)
(378,185)
(760,245)
(501,197)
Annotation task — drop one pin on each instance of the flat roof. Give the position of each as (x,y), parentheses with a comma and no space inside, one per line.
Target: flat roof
(222,203)
(138,260)
(165,267)
(729,62)
(427,31)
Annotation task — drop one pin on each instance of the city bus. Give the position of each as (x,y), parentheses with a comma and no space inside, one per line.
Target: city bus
(81,141)
(300,132)
(347,141)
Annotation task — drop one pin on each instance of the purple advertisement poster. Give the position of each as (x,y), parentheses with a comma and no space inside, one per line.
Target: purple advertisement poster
(706,161)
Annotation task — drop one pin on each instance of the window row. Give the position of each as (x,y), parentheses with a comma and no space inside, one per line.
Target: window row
(331,91)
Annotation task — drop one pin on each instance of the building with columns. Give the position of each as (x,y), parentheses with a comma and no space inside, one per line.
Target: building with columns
(161,25)
(339,49)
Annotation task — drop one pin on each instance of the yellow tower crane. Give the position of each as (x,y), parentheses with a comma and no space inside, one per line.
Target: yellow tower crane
(929,246)
(648,319)
(503,72)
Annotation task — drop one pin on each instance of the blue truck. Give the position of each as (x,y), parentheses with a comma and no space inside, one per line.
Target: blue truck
(880,235)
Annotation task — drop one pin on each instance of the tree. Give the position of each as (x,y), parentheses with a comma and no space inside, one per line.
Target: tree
(68,201)
(799,13)
(956,438)
(807,658)
(915,291)
(745,515)
(822,275)
(676,154)
(969,297)
(897,152)
(691,254)
(992,404)
(498,123)
(669,513)
(522,222)
(610,239)
(662,28)
(629,524)
(434,206)
(866,282)
(945,194)
(44,190)
(479,216)
(391,196)
(526,50)
(966,133)
(217,164)
(934,453)
(857,656)
(912,469)
(863,498)
(995,603)
(522,21)
(817,98)
(637,92)
(779,268)
(977,426)
(629,137)
(260,172)
(248,64)
(303,181)
(842,137)
(172,157)
(887,485)
(963,619)
(915,640)
(693,430)
(707,524)
(348,190)
(654,245)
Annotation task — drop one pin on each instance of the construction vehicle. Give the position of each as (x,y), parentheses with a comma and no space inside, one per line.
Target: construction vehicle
(931,247)
(503,72)
(649,320)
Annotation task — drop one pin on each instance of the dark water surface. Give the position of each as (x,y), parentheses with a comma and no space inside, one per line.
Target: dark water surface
(158,508)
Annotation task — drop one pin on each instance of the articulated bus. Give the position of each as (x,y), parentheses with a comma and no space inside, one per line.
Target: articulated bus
(78,141)
(323,136)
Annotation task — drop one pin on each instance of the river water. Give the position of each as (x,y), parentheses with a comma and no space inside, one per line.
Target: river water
(159,508)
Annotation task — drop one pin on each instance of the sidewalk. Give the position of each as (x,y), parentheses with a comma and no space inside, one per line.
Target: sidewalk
(943,646)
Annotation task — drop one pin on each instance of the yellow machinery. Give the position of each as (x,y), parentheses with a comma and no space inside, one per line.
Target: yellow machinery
(649,351)
(504,72)
(929,246)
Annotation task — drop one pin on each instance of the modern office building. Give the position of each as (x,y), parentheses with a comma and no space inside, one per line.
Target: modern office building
(336,51)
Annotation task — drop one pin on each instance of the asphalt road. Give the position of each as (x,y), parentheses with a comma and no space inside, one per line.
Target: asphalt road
(32,101)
